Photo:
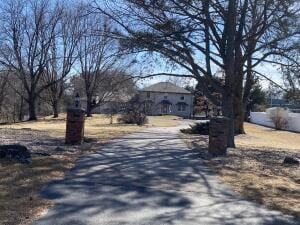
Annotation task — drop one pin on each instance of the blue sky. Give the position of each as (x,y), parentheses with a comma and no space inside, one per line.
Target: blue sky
(267,69)
(158,65)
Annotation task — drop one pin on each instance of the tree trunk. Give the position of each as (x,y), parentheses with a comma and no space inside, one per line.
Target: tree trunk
(227,111)
(32,109)
(89,107)
(20,116)
(111,119)
(2,93)
(55,109)
(1,102)
(230,71)
(238,117)
(247,113)
(14,113)
(238,93)
(248,86)
(238,106)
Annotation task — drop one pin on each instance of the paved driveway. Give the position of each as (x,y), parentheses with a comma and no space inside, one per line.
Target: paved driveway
(151,178)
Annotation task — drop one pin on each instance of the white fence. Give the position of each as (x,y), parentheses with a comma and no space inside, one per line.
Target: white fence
(263,119)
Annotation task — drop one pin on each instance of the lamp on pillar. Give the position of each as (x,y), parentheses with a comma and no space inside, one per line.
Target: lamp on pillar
(77,101)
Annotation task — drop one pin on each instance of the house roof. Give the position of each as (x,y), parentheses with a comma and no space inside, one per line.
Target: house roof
(166,87)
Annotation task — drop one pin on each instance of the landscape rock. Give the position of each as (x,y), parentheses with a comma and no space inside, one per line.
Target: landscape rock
(15,152)
(291,160)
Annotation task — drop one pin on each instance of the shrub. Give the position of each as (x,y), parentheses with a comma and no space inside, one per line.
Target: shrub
(197,128)
(133,117)
(134,112)
(279,117)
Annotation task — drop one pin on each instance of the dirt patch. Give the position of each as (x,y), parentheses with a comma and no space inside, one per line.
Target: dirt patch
(257,173)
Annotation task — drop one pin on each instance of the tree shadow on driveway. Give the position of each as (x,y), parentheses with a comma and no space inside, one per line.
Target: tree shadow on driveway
(148,177)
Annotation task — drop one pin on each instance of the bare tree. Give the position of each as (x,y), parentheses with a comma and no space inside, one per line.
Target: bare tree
(291,78)
(12,103)
(100,61)
(62,56)
(202,37)
(27,32)
(271,31)
(113,109)
(3,86)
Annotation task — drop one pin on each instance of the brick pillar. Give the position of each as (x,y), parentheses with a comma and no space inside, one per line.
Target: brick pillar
(75,126)
(218,130)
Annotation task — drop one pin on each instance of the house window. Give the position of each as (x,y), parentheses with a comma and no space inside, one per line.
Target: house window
(182,97)
(181,108)
(148,94)
(165,97)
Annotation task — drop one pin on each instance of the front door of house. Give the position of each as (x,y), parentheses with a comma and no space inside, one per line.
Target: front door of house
(165,109)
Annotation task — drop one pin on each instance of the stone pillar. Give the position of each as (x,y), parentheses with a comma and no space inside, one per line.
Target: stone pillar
(75,126)
(218,130)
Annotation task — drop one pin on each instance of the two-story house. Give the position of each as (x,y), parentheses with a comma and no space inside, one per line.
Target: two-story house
(165,98)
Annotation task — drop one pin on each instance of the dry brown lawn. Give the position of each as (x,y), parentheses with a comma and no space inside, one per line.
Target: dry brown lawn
(264,137)
(20,185)
(255,170)
(163,121)
(95,127)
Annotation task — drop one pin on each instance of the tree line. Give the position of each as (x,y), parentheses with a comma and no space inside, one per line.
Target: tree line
(47,48)
(221,44)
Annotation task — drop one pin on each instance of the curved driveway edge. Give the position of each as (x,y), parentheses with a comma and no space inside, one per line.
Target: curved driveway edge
(149,178)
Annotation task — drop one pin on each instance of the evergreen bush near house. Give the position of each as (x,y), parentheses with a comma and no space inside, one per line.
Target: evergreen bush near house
(279,117)
(197,128)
